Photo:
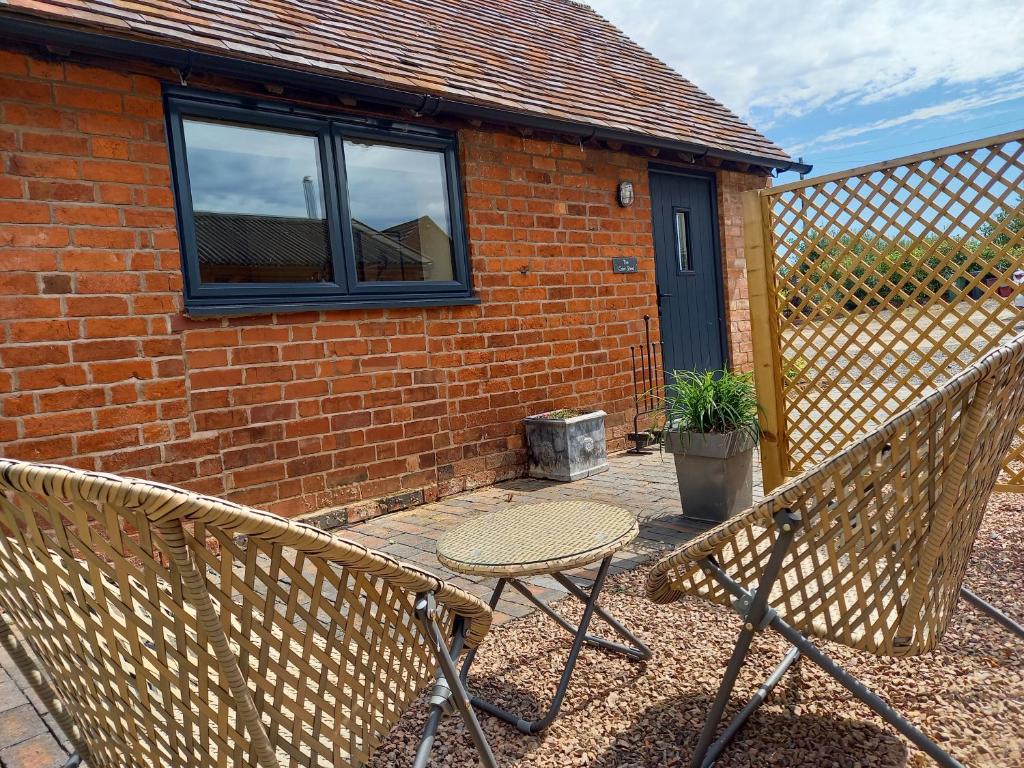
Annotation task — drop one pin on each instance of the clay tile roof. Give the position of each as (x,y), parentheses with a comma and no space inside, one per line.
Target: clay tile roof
(550,58)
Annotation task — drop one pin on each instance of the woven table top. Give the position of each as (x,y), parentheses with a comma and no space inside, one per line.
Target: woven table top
(537,538)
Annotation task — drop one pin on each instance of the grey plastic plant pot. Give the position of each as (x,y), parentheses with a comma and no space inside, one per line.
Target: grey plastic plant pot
(715,473)
(566,449)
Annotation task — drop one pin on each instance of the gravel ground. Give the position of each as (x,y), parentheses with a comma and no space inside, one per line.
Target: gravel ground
(968,694)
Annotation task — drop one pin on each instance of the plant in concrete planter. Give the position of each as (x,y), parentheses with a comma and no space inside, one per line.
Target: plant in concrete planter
(566,444)
(711,429)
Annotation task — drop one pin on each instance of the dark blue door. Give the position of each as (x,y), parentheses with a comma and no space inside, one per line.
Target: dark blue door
(688,270)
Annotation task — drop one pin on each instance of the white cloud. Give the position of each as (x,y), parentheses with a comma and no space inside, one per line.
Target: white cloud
(772,60)
(949,109)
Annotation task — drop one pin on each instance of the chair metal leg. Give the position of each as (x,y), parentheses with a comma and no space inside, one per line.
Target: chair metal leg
(741,717)
(440,701)
(534,726)
(866,695)
(754,609)
(714,716)
(992,612)
(74,761)
(449,689)
(807,649)
(426,745)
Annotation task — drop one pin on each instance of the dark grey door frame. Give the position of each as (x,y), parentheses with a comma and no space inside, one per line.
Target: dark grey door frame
(711,178)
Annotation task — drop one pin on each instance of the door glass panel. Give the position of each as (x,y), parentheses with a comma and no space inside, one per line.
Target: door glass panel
(258,204)
(683,241)
(401,225)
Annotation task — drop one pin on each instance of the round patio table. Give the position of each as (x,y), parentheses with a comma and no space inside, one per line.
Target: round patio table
(546,538)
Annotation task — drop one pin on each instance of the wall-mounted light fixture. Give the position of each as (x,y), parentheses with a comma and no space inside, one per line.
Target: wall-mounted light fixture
(626,195)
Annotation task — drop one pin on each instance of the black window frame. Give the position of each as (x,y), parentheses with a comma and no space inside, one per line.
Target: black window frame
(330,130)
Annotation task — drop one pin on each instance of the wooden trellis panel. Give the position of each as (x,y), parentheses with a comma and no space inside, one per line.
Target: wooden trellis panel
(871,285)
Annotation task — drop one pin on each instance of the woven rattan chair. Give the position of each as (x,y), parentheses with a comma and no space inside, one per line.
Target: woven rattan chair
(869,549)
(165,628)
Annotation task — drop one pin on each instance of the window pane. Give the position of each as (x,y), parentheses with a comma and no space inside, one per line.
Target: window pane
(257,199)
(401,225)
(682,241)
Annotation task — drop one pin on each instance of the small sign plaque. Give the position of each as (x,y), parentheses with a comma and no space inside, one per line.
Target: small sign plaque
(624,265)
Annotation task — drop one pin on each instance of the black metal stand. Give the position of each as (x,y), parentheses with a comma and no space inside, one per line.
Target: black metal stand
(648,383)
(758,615)
(636,649)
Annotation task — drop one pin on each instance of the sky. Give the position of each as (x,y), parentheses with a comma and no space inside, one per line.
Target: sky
(237,169)
(844,83)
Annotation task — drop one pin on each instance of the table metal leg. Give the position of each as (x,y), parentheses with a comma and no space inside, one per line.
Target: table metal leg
(636,650)
(591,607)
(495,596)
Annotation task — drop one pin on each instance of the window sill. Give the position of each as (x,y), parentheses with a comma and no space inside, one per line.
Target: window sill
(219,308)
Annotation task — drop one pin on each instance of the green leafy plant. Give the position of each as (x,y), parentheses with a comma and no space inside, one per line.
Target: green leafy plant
(712,402)
(793,368)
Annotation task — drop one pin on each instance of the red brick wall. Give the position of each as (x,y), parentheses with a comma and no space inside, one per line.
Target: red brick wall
(301,412)
(731,186)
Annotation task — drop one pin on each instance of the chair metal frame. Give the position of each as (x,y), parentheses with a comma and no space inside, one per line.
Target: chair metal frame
(758,615)
(449,690)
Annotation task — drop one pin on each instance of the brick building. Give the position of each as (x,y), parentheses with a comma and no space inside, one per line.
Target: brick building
(330,258)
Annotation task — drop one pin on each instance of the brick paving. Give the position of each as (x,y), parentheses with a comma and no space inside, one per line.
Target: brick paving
(645,484)
(29,738)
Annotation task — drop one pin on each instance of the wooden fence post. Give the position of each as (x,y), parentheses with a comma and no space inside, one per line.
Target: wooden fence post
(764,333)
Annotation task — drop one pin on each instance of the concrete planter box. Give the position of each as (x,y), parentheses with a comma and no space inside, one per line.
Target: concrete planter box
(715,473)
(566,449)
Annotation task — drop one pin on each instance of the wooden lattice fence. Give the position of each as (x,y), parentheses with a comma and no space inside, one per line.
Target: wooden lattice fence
(868,286)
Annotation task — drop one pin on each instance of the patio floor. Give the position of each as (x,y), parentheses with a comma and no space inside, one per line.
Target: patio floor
(645,484)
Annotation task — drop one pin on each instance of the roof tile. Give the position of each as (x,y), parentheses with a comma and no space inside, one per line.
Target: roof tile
(550,58)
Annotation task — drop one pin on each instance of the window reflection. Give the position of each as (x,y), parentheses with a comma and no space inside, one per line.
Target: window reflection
(401,224)
(258,205)
(683,241)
